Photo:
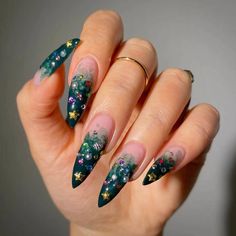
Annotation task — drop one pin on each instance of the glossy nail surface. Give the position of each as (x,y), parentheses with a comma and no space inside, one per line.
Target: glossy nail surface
(57,57)
(121,172)
(92,148)
(80,90)
(118,176)
(163,165)
(88,155)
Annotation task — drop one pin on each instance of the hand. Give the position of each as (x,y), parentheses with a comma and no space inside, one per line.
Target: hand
(123,124)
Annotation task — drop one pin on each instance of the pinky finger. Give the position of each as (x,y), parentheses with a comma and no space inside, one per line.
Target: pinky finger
(189,141)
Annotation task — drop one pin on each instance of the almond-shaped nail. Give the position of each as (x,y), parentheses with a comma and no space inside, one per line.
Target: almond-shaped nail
(80,89)
(123,169)
(57,57)
(99,133)
(164,164)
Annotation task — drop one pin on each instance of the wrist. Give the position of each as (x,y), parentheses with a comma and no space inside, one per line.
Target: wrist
(76,230)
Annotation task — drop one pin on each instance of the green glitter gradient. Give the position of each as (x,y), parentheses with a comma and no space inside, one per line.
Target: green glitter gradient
(118,176)
(79,93)
(90,151)
(57,57)
(161,166)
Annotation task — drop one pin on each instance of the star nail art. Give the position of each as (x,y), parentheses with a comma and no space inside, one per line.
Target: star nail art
(90,151)
(163,165)
(79,93)
(80,90)
(57,57)
(119,175)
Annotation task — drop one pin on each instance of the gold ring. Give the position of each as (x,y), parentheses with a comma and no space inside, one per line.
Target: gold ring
(138,63)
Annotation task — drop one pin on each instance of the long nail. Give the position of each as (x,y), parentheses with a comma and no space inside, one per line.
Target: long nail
(57,57)
(100,132)
(80,89)
(121,172)
(164,164)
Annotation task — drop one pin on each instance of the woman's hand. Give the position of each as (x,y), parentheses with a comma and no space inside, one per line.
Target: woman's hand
(123,124)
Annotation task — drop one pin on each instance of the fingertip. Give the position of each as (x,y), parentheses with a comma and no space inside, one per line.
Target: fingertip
(101,34)
(146,181)
(38,99)
(50,88)
(101,200)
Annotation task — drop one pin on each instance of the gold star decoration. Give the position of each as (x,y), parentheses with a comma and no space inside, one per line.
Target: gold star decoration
(105,195)
(73,115)
(152,177)
(69,43)
(79,176)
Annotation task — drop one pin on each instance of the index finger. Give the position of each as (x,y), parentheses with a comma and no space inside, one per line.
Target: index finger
(102,33)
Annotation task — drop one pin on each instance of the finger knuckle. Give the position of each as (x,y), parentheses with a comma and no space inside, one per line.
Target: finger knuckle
(108,27)
(120,86)
(107,15)
(211,111)
(179,74)
(21,100)
(203,131)
(144,43)
(158,119)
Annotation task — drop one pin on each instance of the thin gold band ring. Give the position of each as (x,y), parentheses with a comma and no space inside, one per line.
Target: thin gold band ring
(138,63)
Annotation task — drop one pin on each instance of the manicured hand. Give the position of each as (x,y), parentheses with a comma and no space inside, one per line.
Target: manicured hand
(128,153)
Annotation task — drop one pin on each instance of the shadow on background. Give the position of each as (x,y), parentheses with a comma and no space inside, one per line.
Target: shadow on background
(231,211)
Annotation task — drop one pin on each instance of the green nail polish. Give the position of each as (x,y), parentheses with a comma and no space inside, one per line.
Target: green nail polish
(90,151)
(79,93)
(163,165)
(118,176)
(57,57)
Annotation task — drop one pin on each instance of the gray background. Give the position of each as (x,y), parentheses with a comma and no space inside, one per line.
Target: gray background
(199,35)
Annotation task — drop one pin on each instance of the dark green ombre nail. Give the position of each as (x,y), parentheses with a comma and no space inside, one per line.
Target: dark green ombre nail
(90,151)
(57,57)
(79,93)
(163,165)
(118,176)
(80,89)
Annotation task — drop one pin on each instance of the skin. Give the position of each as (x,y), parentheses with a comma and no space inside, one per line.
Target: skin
(138,210)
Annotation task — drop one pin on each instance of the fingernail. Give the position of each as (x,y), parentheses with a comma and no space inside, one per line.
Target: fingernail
(80,89)
(57,57)
(164,164)
(100,132)
(121,172)
(190,74)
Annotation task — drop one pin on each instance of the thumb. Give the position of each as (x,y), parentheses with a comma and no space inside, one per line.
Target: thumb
(40,114)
